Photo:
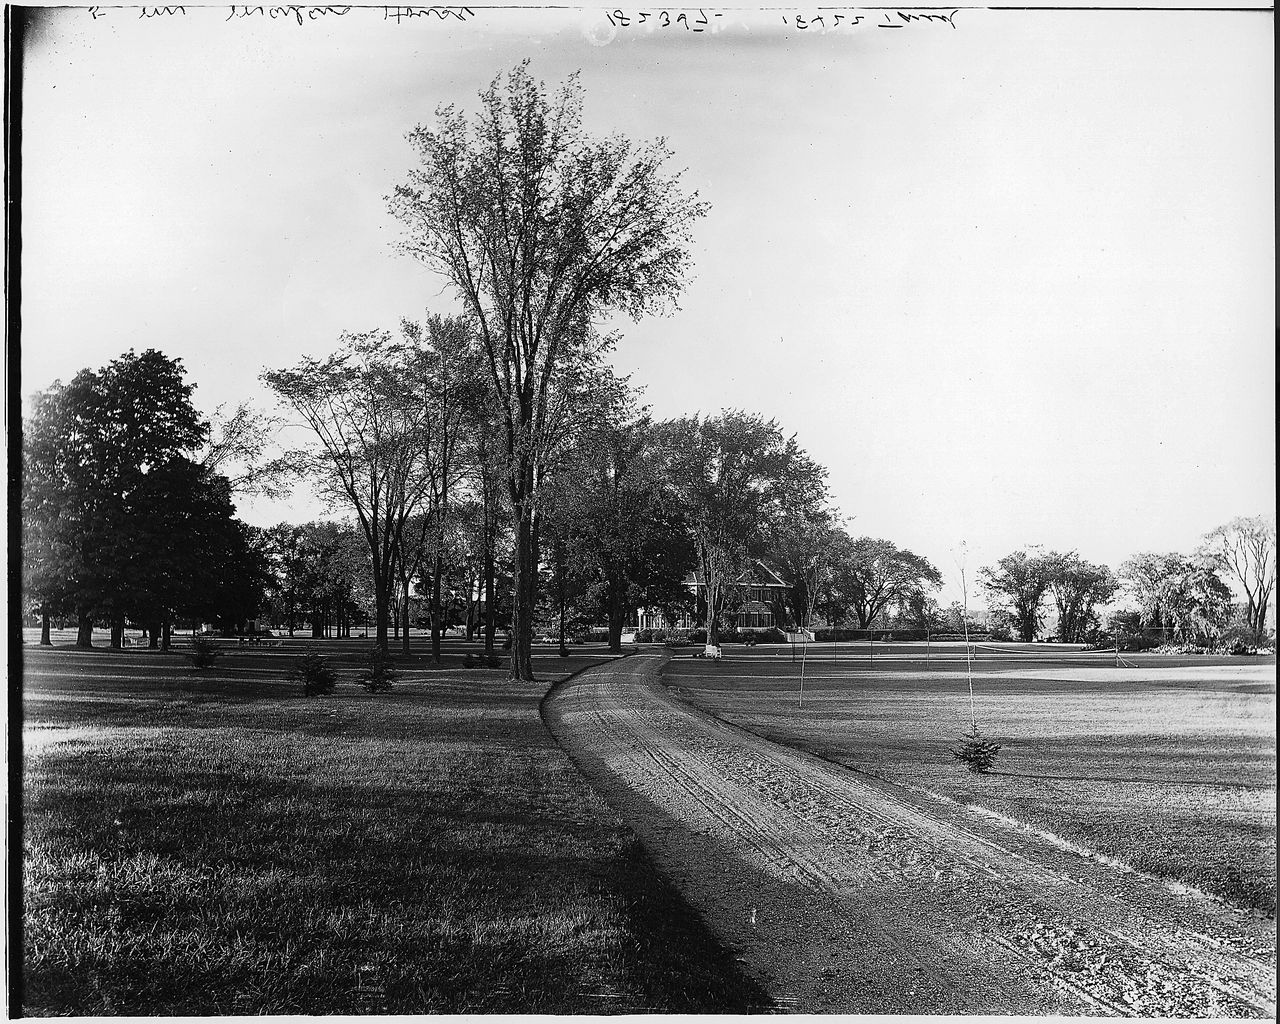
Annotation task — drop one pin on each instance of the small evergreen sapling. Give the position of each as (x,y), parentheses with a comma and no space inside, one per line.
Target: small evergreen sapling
(203,652)
(977,753)
(380,674)
(314,674)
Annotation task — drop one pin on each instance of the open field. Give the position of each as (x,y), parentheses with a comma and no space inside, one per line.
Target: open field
(1168,766)
(213,843)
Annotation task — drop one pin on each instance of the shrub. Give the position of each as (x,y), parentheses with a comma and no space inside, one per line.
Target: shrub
(677,641)
(468,661)
(977,753)
(203,652)
(1240,639)
(314,674)
(380,674)
(492,661)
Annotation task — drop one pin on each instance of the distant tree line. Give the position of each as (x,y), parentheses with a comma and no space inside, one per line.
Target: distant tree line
(1186,598)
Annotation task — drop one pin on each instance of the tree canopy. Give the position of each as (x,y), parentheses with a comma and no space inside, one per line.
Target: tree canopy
(736,474)
(119,521)
(875,574)
(541,229)
(1018,583)
(1245,550)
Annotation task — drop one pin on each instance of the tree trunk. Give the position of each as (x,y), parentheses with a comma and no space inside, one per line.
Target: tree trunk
(490,570)
(404,638)
(153,635)
(45,639)
(522,599)
(117,633)
(617,617)
(84,630)
(564,650)
(437,613)
(166,635)
(381,608)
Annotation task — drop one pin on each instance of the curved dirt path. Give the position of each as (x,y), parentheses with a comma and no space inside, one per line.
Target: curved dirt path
(845,893)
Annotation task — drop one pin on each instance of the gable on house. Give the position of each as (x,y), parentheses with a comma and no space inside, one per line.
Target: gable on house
(753,596)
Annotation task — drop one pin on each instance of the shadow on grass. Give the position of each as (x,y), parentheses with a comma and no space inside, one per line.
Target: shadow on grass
(419,852)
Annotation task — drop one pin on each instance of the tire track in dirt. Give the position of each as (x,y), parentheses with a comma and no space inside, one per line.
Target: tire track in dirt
(846,893)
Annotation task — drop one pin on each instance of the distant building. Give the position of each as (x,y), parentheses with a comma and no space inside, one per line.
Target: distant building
(749,602)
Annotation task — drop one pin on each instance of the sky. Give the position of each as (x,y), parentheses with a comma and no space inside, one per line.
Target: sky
(1009,276)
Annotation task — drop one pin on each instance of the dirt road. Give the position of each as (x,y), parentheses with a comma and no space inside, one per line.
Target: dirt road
(842,893)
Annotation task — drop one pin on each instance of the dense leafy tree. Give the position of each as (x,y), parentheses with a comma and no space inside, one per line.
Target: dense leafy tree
(736,474)
(182,554)
(1179,593)
(1018,583)
(1245,550)
(877,575)
(89,448)
(1077,588)
(806,543)
(286,593)
(619,518)
(541,230)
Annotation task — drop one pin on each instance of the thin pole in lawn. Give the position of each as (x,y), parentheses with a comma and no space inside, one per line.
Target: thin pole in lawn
(804,651)
(927,651)
(968,651)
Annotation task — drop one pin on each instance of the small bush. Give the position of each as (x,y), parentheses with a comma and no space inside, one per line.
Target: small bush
(977,753)
(492,661)
(314,674)
(380,674)
(468,661)
(203,652)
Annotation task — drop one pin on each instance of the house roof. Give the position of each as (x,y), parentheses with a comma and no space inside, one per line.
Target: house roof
(758,575)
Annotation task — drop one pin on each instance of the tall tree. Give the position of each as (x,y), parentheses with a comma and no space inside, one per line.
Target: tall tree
(619,518)
(88,446)
(806,544)
(880,575)
(1245,550)
(182,554)
(541,230)
(373,438)
(1078,587)
(1018,583)
(735,474)
(1178,592)
(447,373)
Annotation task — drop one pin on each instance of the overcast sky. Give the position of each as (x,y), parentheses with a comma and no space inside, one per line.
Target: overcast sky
(1010,280)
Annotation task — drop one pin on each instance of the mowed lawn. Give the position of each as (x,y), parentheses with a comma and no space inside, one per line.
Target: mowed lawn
(1168,766)
(214,843)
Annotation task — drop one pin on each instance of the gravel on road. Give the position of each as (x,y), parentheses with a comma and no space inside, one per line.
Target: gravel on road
(844,893)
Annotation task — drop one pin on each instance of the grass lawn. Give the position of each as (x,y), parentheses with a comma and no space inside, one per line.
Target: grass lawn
(213,843)
(1168,766)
